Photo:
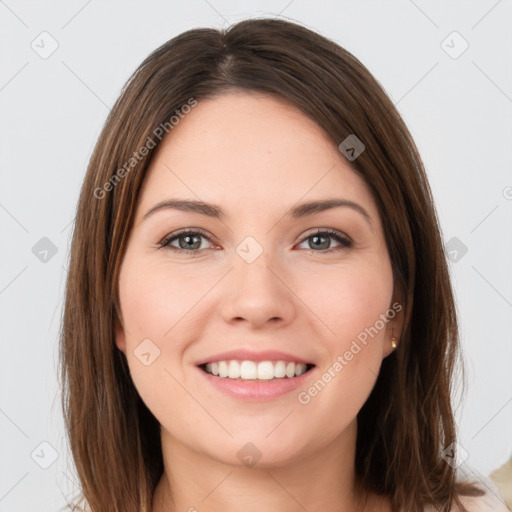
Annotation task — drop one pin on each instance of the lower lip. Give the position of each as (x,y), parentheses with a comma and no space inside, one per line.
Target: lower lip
(256,390)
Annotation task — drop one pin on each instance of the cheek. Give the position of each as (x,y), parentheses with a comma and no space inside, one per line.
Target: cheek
(153,300)
(349,299)
(159,304)
(151,305)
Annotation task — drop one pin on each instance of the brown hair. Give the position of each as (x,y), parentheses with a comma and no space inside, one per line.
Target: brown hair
(114,438)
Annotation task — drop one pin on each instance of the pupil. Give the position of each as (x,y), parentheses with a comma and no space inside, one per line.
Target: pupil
(189,240)
(324,245)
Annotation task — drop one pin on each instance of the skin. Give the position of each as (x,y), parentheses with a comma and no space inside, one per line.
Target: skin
(256,157)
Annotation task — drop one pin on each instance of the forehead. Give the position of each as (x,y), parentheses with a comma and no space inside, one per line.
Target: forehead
(253,149)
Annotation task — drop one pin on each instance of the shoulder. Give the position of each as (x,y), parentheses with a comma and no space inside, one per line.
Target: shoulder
(487,503)
(491,501)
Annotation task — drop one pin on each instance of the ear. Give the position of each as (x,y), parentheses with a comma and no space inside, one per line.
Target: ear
(395,325)
(120,336)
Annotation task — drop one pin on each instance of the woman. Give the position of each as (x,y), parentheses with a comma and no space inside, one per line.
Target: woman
(258,310)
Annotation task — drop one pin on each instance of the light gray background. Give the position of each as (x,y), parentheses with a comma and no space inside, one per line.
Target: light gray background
(458,110)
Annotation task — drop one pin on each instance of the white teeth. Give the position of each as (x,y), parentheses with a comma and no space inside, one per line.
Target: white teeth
(250,370)
(223,369)
(233,370)
(280,369)
(265,370)
(299,369)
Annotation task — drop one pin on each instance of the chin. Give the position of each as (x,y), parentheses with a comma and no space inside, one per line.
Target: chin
(253,450)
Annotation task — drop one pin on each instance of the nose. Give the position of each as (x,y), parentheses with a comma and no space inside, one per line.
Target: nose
(258,294)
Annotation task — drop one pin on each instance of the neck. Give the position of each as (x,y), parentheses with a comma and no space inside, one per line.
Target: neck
(320,481)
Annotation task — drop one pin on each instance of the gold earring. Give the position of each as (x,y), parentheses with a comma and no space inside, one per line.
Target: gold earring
(393,343)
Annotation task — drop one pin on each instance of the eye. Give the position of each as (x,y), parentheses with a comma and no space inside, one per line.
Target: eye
(188,241)
(321,240)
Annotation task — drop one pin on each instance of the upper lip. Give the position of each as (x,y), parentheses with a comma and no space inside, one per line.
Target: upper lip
(250,355)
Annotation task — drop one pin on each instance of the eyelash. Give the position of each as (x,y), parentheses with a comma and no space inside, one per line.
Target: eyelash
(345,243)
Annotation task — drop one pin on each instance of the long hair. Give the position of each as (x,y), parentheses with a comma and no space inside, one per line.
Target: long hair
(408,419)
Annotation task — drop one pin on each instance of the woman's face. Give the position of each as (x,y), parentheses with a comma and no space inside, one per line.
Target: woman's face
(257,282)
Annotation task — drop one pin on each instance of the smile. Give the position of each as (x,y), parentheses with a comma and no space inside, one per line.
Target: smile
(252,370)
(256,381)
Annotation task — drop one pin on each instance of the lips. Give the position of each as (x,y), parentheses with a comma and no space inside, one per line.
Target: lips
(256,390)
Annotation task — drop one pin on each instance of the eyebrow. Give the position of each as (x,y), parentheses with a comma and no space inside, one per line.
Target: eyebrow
(297,212)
